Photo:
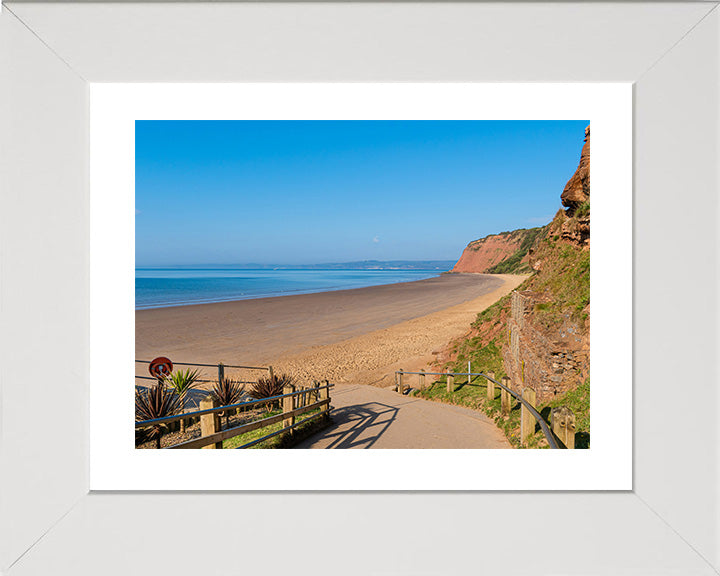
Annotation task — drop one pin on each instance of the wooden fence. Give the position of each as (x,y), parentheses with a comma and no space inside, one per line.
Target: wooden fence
(560,433)
(294,402)
(218,368)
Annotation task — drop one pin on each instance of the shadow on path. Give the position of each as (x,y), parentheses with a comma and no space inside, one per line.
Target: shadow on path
(357,426)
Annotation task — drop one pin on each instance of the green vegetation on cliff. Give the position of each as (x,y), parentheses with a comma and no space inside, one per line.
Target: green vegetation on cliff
(560,283)
(517,263)
(550,327)
(564,280)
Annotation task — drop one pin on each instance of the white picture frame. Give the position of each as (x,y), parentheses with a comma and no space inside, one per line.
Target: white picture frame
(668,523)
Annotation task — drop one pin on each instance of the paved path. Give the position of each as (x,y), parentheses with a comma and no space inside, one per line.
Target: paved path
(371,417)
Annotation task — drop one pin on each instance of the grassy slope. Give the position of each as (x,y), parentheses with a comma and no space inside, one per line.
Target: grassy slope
(564,278)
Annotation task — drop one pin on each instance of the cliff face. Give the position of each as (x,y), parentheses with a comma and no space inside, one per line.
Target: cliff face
(548,324)
(549,320)
(576,198)
(503,253)
(540,335)
(577,190)
(512,252)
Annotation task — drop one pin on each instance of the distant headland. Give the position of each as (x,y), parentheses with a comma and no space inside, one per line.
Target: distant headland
(441,265)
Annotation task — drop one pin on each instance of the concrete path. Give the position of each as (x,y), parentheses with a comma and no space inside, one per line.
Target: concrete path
(371,417)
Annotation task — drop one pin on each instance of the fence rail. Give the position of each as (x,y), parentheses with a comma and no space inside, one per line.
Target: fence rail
(294,403)
(251,426)
(220,367)
(527,405)
(215,410)
(211,365)
(198,380)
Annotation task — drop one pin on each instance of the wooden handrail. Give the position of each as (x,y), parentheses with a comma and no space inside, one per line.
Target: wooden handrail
(282,430)
(167,419)
(249,427)
(540,420)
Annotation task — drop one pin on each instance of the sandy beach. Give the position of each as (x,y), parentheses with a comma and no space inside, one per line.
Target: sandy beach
(359,336)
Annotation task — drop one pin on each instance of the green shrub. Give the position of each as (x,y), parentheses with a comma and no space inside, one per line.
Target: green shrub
(182,382)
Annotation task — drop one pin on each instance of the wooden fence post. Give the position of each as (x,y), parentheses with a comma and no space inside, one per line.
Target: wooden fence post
(490,386)
(505,397)
(209,423)
(527,420)
(324,394)
(288,405)
(562,421)
(401,384)
(421,379)
(450,382)
(221,372)
(270,372)
(183,422)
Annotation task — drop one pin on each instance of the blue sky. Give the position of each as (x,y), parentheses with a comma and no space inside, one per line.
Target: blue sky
(308,192)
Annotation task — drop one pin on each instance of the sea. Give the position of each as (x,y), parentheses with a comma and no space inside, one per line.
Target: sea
(164,287)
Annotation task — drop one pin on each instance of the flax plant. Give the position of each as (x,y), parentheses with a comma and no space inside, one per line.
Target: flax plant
(156,402)
(225,392)
(270,386)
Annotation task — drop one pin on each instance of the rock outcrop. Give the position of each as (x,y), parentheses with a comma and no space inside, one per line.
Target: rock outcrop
(577,230)
(577,189)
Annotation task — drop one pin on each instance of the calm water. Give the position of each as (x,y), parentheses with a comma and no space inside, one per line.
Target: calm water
(159,288)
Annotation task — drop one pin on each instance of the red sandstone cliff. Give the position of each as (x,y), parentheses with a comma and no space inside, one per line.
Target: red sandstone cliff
(503,253)
(510,252)
(480,255)
(577,189)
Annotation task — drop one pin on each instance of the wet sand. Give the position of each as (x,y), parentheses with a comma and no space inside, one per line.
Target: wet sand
(346,335)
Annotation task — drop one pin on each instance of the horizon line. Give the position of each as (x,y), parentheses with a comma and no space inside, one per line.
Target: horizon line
(270,264)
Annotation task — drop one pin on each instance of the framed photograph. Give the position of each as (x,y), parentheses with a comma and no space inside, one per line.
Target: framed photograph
(169,124)
(322,136)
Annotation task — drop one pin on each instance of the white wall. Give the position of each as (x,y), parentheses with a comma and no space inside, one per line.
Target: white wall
(43,287)
(677,402)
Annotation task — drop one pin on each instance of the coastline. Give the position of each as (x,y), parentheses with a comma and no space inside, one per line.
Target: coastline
(342,334)
(194,287)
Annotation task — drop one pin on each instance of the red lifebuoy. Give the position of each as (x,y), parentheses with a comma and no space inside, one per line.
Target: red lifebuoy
(160,367)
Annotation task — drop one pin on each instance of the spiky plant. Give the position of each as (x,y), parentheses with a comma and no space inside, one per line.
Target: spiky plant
(270,386)
(156,402)
(225,392)
(182,382)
